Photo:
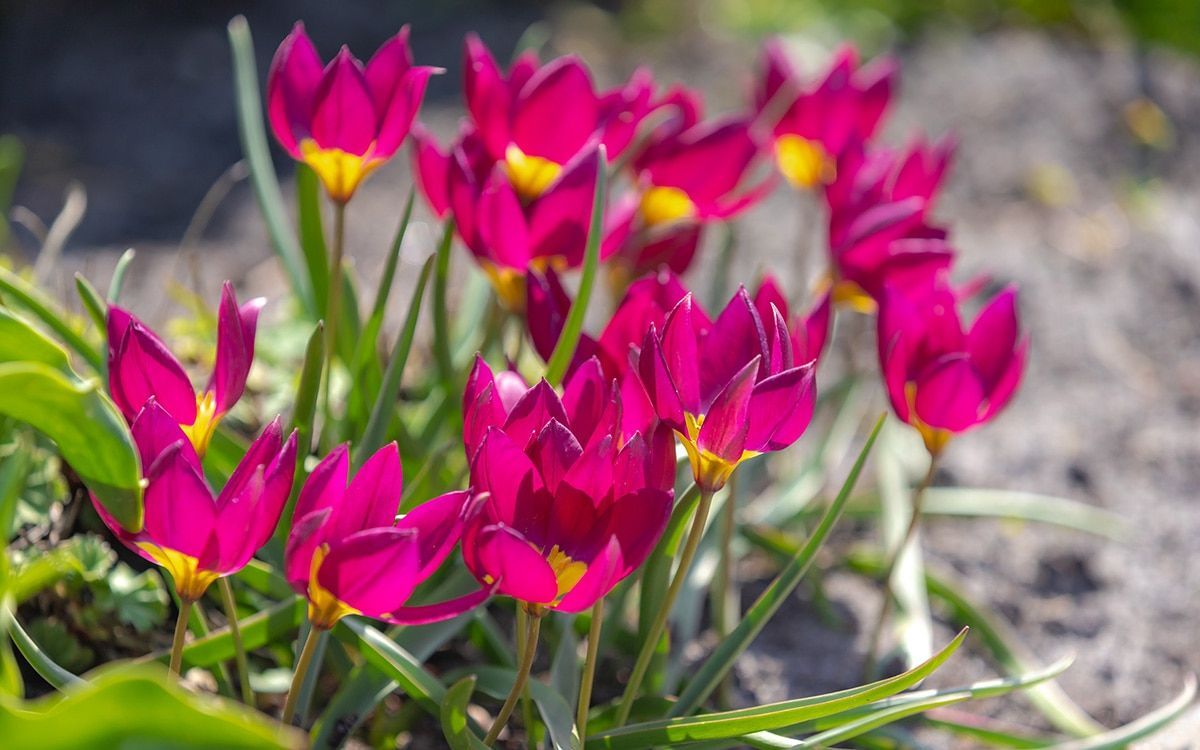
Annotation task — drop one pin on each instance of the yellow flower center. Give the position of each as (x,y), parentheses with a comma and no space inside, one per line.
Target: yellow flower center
(666,205)
(935,438)
(851,295)
(530,175)
(568,572)
(201,431)
(340,172)
(324,609)
(708,469)
(803,162)
(509,284)
(190,581)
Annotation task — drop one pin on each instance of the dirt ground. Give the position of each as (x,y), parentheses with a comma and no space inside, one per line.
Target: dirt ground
(1050,191)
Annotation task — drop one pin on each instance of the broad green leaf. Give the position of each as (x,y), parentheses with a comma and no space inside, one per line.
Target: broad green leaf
(1146,726)
(14,470)
(17,289)
(372,438)
(20,341)
(394,661)
(90,433)
(559,719)
(568,340)
(41,663)
(723,658)
(262,171)
(1001,642)
(456,724)
(137,707)
(769,717)
(117,283)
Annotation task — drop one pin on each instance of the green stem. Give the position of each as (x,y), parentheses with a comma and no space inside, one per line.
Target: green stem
(885,610)
(441,317)
(664,611)
(302,665)
(723,585)
(518,688)
(239,648)
(522,635)
(589,668)
(185,610)
(333,307)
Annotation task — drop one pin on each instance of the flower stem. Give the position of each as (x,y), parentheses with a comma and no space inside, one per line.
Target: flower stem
(518,688)
(522,636)
(589,667)
(333,310)
(889,571)
(302,665)
(239,648)
(722,591)
(660,619)
(185,611)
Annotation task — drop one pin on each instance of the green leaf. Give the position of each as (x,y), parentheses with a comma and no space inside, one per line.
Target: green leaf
(565,672)
(564,350)
(1024,506)
(312,232)
(559,719)
(769,717)
(1146,726)
(394,661)
(90,433)
(978,730)
(42,664)
(709,677)
(369,340)
(262,171)
(441,315)
(1000,641)
(20,341)
(117,283)
(14,471)
(257,630)
(95,305)
(456,724)
(138,707)
(41,308)
(372,437)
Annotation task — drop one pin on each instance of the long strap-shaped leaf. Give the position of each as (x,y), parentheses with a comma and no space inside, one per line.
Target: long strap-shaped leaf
(718,665)
(765,718)
(262,171)
(1141,728)
(388,657)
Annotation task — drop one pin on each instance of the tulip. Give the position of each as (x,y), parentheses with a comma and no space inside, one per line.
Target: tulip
(571,507)
(728,391)
(941,378)
(196,537)
(140,367)
(343,120)
(808,332)
(348,554)
(812,124)
(868,177)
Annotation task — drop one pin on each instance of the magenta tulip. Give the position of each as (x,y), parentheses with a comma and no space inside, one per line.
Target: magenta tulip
(811,124)
(808,332)
(140,367)
(343,119)
(349,554)
(728,391)
(569,507)
(199,538)
(942,379)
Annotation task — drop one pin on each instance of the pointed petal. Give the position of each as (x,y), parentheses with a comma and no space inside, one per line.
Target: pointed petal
(520,570)
(373,496)
(291,86)
(306,535)
(528,416)
(737,336)
(504,471)
(502,226)
(154,431)
(592,473)
(397,119)
(780,409)
(326,485)
(235,349)
(657,382)
(560,217)
(637,411)
(373,571)
(555,450)
(429,613)
(432,167)
(1004,388)
(603,572)
(638,521)
(949,395)
(556,111)
(993,336)
(486,94)
(344,115)
(180,512)
(727,422)
(439,524)
(143,368)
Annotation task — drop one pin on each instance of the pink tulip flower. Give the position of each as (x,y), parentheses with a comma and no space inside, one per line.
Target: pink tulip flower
(808,332)
(568,506)
(349,555)
(944,379)
(140,367)
(196,537)
(811,124)
(729,391)
(343,119)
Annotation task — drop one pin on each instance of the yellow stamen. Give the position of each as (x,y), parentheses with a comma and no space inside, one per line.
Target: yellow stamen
(708,469)
(666,205)
(190,581)
(935,437)
(201,431)
(803,162)
(530,175)
(340,172)
(509,284)
(324,609)
(850,295)
(568,572)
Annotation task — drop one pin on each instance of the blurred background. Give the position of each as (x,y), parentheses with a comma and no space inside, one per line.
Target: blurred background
(1078,177)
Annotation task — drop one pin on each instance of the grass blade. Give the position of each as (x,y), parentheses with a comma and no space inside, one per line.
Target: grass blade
(312,233)
(95,305)
(32,300)
(117,283)
(456,723)
(51,672)
(262,171)
(564,350)
(1025,506)
(722,660)
(389,391)
(1146,726)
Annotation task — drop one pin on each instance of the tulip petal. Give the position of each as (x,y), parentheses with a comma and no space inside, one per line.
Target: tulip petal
(502,227)
(949,395)
(344,115)
(429,613)
(154,431)
(780,409)
(235,347)
(603,572)
(487,95)
(560,217)
(656,380)
(306,535)
(592,472)
(291,87)
(555,450)
(737,336)
(397,119)
(326,484)
(637,411)
(438,523)
(511,561)
(374,571)
(180,512)
(1004,388)
(538,406)
(556,111)
(638,521)
(682,355)
(727,421)
(432,168)
(373,496)
(143,368)
(992,337)
(504,471)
